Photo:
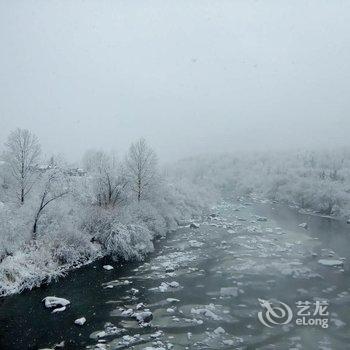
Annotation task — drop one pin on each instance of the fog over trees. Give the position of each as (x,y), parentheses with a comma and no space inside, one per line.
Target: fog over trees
(316,181)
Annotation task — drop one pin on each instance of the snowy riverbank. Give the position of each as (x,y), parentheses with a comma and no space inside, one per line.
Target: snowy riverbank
(126,234)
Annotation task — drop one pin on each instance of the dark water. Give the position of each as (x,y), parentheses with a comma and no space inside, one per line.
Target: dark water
(267,260)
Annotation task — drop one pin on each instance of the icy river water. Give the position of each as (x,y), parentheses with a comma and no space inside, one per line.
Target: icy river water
(202,287)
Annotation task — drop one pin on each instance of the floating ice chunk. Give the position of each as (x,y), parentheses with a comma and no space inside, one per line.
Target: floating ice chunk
(127,312)
(143,317)
(156,334)
(140,306)
(80,321)
(172,300)
(59,345)
(164,286)
(254,229)
(228,342)
(205,312)
(197,321)
(118,283)
(304,225)
(100,346)
(128,340)
(55,301)
(59,309)
(99,335)
(261,218)
(219,330)
(108,267)
(109,329)
(330,262)
(194,225)
(174,284)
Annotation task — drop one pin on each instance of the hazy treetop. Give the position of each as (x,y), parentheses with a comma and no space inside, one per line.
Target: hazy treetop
(189,76)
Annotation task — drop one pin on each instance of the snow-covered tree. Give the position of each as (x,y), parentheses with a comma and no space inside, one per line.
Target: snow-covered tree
(108,180)
(22,151)
(54,187)
(141,164)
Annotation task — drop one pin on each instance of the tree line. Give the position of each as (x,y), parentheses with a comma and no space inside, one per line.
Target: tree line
(111,181)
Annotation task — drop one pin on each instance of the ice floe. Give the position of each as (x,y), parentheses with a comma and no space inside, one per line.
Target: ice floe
(55,301)
(331,262)
(80,321)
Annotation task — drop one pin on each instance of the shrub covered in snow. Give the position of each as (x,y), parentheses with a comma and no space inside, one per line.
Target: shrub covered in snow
(44,259)
(128,242)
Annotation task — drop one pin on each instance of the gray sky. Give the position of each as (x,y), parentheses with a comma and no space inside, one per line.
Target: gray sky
(189,76)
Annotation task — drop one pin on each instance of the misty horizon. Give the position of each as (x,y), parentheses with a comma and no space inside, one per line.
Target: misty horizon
(191,78)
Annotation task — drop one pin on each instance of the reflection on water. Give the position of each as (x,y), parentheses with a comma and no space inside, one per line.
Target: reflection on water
(202,288)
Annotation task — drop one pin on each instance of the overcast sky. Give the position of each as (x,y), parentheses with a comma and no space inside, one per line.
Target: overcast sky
(189,76)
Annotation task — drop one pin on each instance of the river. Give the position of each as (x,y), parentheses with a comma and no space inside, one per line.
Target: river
(203,287)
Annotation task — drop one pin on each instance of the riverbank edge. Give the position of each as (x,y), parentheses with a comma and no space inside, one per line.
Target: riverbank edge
(63,270)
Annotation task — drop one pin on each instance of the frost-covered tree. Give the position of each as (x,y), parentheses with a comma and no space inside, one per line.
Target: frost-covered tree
(108,180)
(54,186)
(22,151)
(141,164)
